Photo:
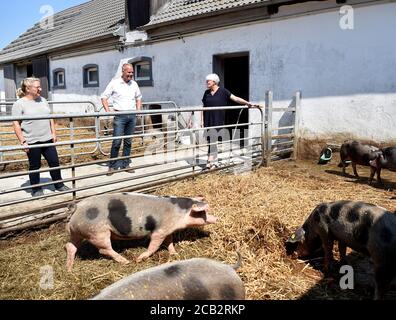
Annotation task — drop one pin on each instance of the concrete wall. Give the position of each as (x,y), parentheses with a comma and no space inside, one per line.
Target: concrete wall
(347,77)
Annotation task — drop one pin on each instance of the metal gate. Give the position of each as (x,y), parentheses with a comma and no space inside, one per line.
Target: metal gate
(167,153)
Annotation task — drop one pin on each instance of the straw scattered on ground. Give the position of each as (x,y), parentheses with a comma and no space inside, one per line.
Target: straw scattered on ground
(257,210)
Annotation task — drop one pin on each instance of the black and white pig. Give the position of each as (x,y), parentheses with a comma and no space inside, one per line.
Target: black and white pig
(124,216)
(386,159)
(364,227)
(194,279)
(357,153)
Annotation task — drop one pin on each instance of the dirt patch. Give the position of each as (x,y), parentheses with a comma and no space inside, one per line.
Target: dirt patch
(257,212)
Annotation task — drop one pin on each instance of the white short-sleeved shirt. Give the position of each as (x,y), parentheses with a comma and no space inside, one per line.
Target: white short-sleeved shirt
(124,94)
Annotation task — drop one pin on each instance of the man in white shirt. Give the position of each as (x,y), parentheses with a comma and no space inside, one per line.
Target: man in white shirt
(126,96)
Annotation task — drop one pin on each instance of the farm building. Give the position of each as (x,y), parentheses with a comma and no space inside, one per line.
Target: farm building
(337,53)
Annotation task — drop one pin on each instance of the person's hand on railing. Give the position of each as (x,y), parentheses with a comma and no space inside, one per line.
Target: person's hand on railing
(251,105)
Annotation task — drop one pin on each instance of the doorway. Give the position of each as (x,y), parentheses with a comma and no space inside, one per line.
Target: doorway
(233,70)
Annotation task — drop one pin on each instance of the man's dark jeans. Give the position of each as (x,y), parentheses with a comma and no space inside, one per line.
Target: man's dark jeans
(123,125)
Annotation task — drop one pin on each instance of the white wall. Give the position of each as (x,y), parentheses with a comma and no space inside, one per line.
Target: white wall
(347,77)
(2,90)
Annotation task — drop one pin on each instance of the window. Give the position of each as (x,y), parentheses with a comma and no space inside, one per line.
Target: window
(143,71)
(91,75)
(59,81)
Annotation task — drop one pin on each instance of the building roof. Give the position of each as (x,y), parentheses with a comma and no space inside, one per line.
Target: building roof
(88,21)
(182,9)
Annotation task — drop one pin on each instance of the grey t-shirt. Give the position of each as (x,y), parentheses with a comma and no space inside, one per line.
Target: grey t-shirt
(33,130)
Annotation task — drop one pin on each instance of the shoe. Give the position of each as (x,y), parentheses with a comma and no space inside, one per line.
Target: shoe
(110,171)
(209,166)
(37,193)
(63,188)
(217,164)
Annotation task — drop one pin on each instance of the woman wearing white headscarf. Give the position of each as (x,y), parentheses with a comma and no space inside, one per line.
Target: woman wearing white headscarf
(216,96)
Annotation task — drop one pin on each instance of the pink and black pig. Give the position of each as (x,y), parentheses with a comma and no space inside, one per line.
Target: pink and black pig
(193,279)
(363,227)
(125,216)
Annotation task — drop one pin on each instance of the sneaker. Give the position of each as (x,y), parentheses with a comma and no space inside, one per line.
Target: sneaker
(37,193)
(110,171)
(63,188)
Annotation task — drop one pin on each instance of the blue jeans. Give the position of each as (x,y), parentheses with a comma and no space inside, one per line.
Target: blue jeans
(123,125)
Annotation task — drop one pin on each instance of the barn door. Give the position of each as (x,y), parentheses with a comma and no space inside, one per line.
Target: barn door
(9,81)
(40,70)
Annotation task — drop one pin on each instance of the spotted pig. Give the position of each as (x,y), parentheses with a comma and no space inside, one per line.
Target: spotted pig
(194,279)
(364,227)
(357,153)
(386,159)
(124,216)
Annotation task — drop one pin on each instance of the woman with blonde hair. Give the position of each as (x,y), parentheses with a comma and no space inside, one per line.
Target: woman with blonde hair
(36,132)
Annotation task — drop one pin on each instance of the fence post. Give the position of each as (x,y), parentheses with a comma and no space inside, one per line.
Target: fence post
(296,125)
(97,131)
(73,156)
(268,135)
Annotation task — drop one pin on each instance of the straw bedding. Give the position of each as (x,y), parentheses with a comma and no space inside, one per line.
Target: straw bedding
(257,211)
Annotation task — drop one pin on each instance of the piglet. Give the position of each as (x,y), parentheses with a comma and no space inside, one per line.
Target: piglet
(124,216)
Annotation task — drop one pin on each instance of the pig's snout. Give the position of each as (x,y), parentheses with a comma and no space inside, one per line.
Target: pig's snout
(211,219)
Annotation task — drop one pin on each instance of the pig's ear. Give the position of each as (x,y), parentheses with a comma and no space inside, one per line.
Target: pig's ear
(297,236)
(200,198)
(200,206)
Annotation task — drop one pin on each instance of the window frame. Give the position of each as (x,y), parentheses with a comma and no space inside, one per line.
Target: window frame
(146,82)
(86,82)
(55,74)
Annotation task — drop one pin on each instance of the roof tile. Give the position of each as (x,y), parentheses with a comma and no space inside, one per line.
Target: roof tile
(92,19)
(181,9)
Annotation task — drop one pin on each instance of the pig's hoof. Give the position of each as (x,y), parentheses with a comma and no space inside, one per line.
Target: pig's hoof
(143,256)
